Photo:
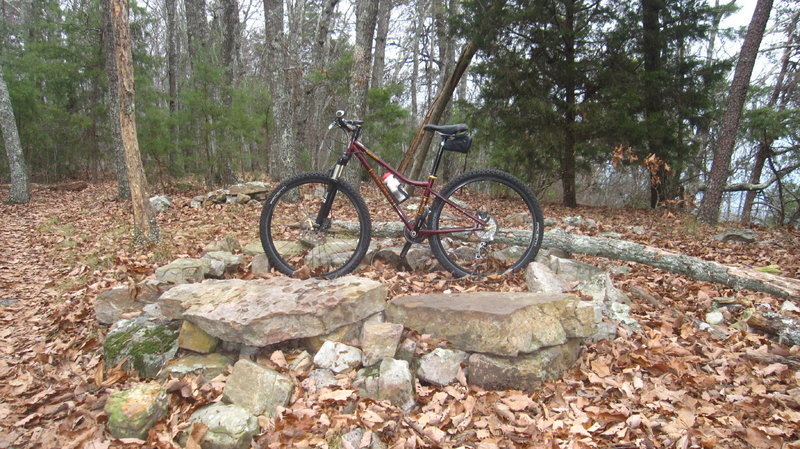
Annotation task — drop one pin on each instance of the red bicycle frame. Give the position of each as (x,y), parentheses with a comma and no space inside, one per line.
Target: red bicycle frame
(361,152)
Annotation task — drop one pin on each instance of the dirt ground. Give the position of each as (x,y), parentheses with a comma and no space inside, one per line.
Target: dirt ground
(671,385)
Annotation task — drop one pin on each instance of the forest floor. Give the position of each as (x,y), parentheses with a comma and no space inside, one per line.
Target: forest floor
(671,385)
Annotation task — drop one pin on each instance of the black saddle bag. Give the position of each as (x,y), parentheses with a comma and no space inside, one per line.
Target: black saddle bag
(459,143)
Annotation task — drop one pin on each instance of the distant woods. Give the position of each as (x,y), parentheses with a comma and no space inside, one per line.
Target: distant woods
(596,102)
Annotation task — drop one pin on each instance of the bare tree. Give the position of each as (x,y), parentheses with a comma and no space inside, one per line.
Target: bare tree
(19,177)
(282,153)
(366,17)
(381,33)
(765,145)
(112,97)
(720,167)
(145,227)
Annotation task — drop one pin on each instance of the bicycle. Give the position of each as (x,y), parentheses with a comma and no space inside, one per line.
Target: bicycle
(481,222)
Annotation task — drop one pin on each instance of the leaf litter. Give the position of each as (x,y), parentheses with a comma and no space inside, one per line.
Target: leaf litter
(672,385)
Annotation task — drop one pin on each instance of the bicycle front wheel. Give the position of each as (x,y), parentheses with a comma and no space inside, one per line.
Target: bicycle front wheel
(315,225)
(514,224)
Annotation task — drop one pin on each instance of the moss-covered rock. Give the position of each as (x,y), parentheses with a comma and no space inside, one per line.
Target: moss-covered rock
(229,426)
(145,345)
(131,413)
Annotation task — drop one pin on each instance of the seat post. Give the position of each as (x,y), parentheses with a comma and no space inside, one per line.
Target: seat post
(438,158)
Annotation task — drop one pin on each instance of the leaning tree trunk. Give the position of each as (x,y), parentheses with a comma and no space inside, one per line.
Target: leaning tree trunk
(422,139)
(145,227)
(720,166)
(16,163)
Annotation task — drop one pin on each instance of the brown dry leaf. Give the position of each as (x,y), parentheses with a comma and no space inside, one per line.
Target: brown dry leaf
(196,435)
(335,395)
(517,402)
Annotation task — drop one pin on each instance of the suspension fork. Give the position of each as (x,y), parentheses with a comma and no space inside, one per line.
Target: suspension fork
(330,194)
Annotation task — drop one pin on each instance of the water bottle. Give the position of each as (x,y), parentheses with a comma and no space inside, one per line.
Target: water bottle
(393,184)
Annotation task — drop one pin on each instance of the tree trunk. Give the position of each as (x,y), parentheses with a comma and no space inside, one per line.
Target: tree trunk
(112,98)
(16,162)
(145,227)
(319,92)
(720,167)
(283,161)
(422,139)
(381,33)
(569,196)
(653,104)
(172,75)
(366,18)
(765,146)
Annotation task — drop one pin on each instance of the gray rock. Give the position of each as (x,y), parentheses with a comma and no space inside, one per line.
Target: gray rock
(574,221)
(153,311)
(495,322)
(525,372)
(216,269)
(611,235)
(509,253)
(407,350)
(638,230)
(231,263)
(440,367)
(182,271)
(550,222)
(379,340)
(391,380)
(160,203)
(8,301)
(131,413)
(322,378)
(252,188)
(242,198)
(111,305)
(255,248)
(146,346)
(229,426)
(266,311)
(571,270)
(789,306)
(218,196)
(737,235)
(602,290)
(209,365)
(620,313)
(197,202)
(337,357)
(257,389)
(228,243)
(715,318)
(421,258)
(260,266)
(541,279)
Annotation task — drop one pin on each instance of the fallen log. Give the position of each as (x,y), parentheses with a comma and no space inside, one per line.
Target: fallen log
(786,330)
(739,278)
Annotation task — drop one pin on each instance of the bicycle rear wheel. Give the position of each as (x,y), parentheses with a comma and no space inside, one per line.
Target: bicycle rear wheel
(515,230)
(299,231)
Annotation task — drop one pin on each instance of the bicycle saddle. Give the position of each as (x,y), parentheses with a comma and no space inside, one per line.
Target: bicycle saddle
(447,130)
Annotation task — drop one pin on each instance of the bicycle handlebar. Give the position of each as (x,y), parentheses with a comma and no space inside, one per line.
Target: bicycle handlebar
(347,125)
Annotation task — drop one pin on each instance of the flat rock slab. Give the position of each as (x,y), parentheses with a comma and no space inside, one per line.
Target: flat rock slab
(527,372)
(266,311)
(504,324)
